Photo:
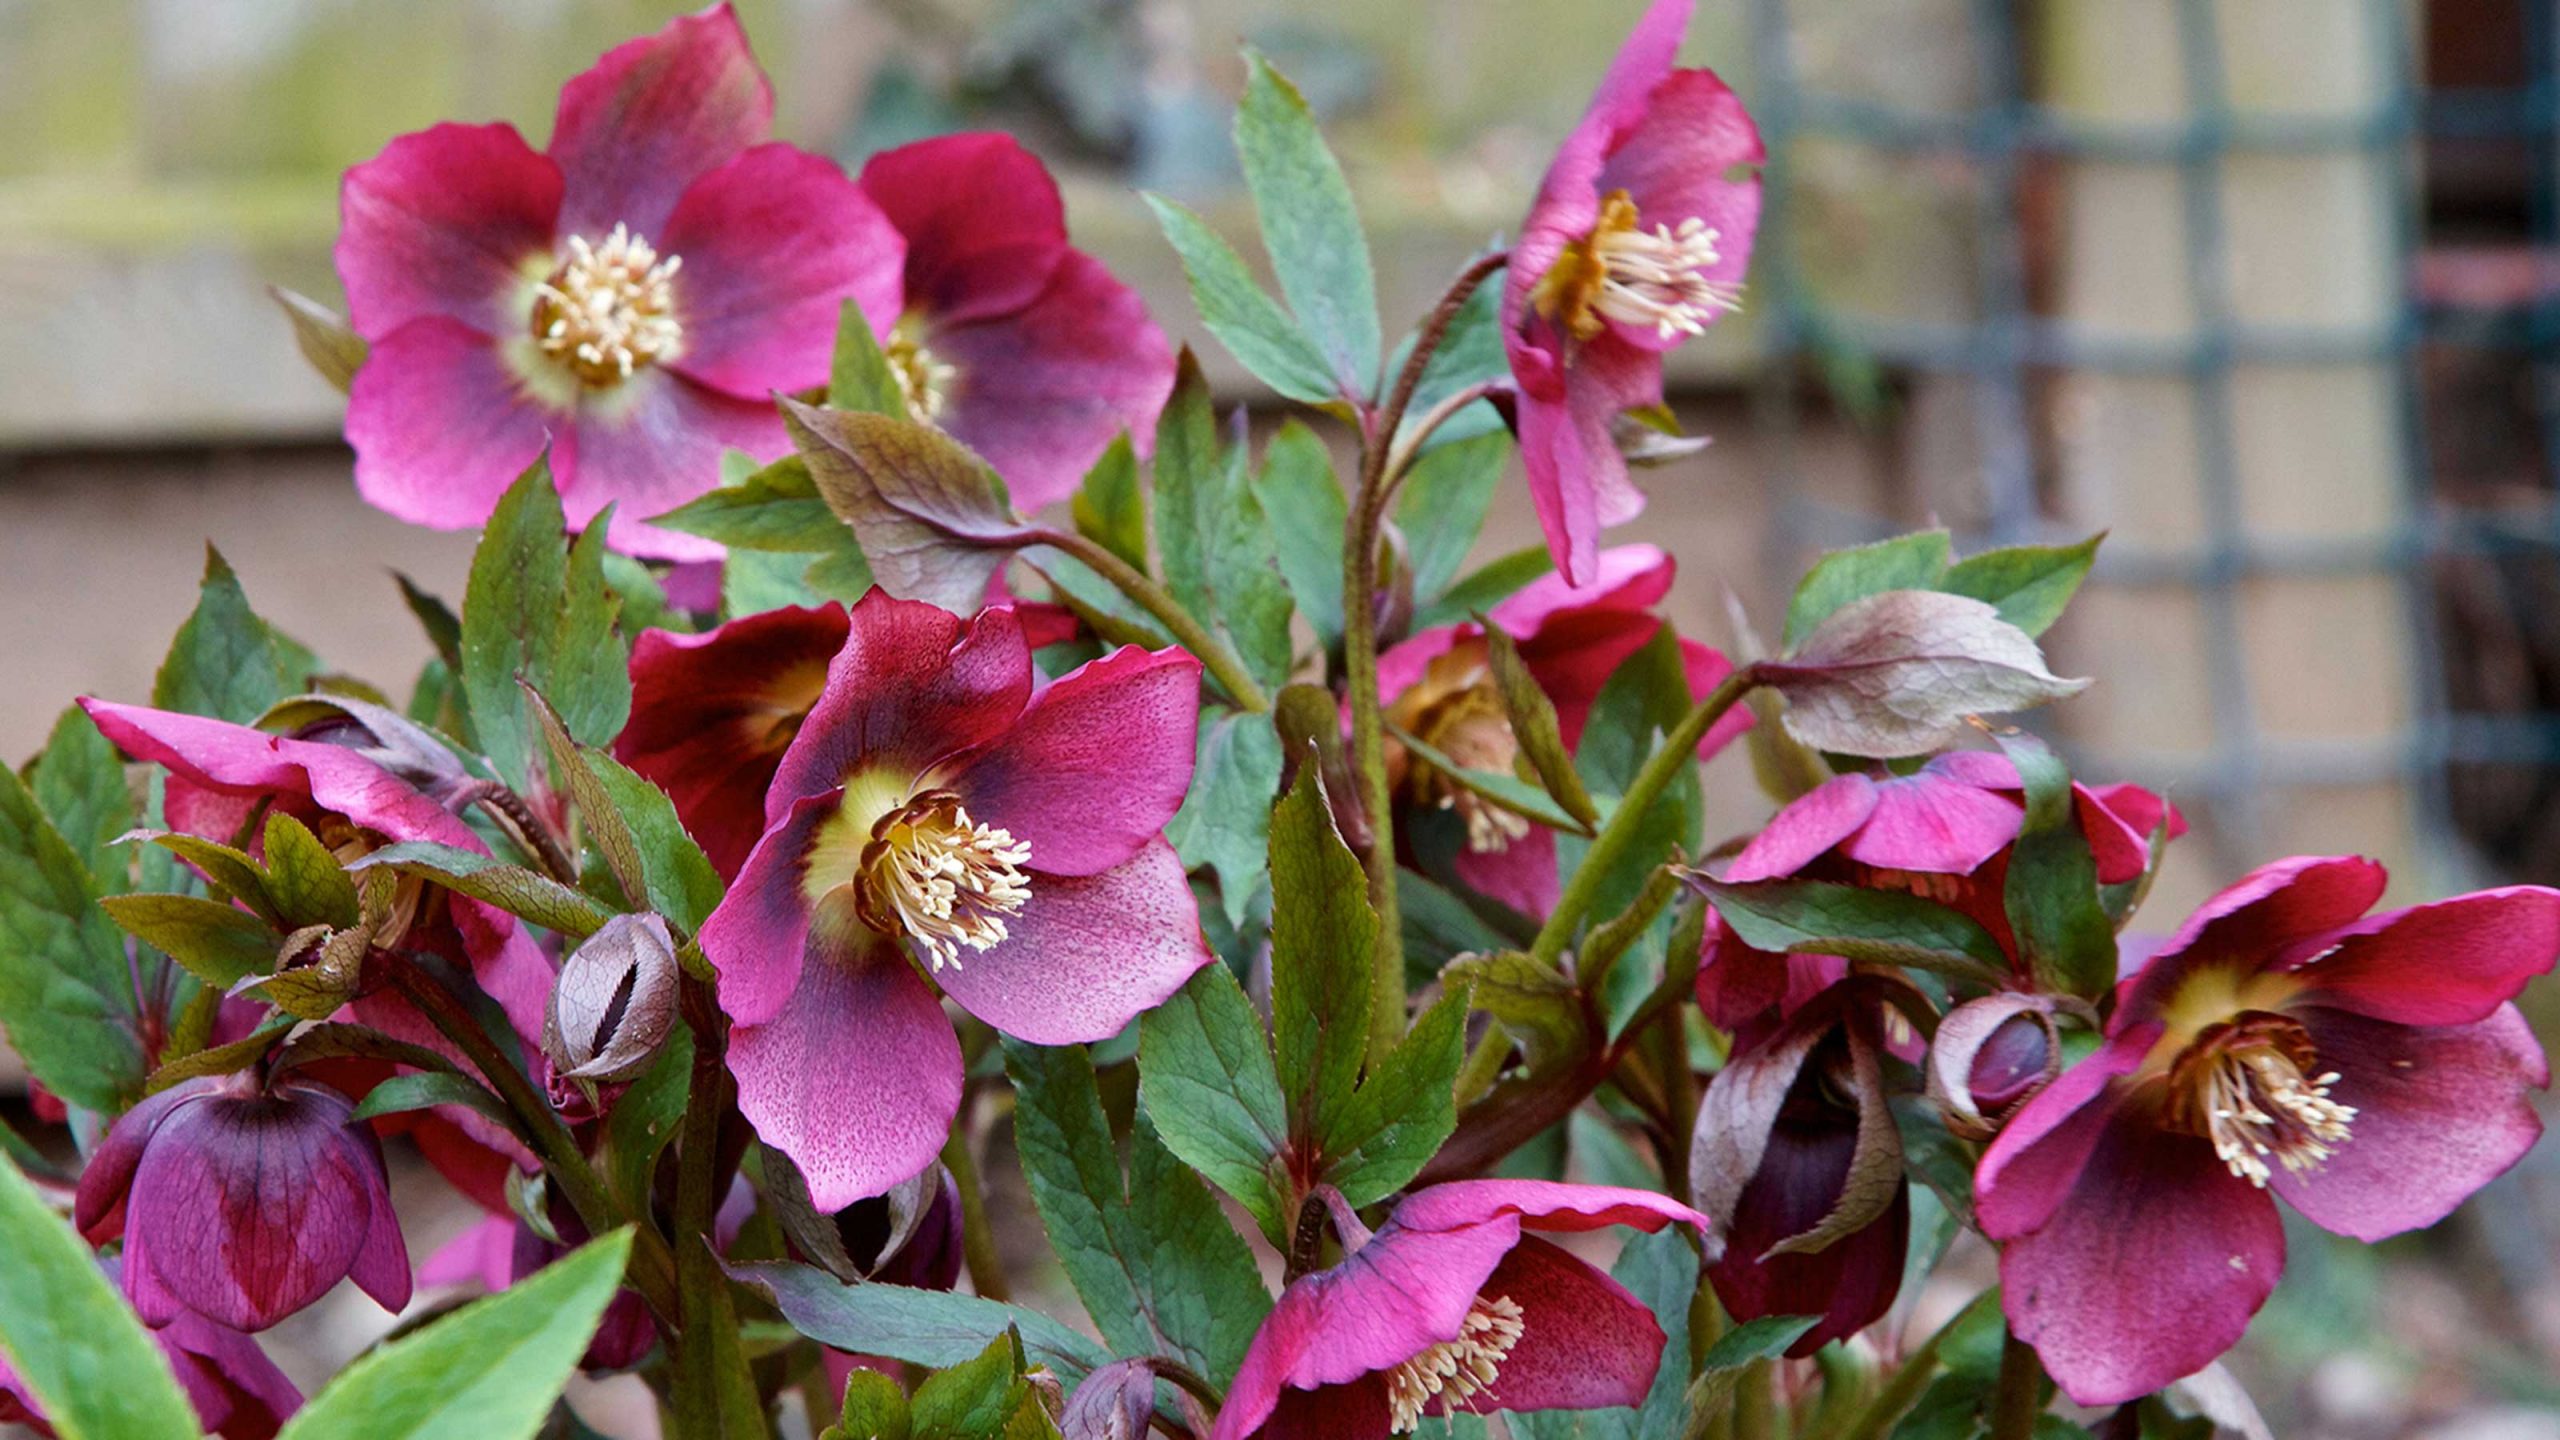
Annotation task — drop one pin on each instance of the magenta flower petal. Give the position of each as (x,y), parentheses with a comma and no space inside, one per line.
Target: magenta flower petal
(1678,160)
(1585,1343)
(649,446)
(2039,1156)
(2287,900)
(1807,829)
(236,1391)
(2449,963)
(1927,824)
(2148,1271)
(439,426)
(98,1209)
(1548,1205)
(654,115)
(1042,391)
(774,242)
(1522,874)
(2440,1112)
(1626,577)
(712,713)
(1577,477)
(914,684)
(1087,954)
(758,938)
(984,223)
(856,1079)
(1097,764)
(453,221)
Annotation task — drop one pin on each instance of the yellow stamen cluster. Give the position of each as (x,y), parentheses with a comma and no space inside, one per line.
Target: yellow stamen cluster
(1648,278)
(2245,1088)
(1454,1370)
(924,381)
(1456,711)
(609,309)
(942,879)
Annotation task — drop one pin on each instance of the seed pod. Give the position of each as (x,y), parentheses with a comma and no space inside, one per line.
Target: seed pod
(615,1001)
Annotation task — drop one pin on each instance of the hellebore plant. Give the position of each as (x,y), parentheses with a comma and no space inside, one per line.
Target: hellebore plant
(964,772)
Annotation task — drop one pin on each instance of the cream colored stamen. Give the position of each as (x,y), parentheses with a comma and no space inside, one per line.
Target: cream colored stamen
(942,879)
(1454,1371)
(2244,1087)
(1651,278)
(609,309)
(924,381)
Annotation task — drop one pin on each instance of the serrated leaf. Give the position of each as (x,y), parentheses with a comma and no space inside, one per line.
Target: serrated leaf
(776,509)
(71,1338)
(79,783)
(536,610)
(306,882)
(1403,1112)
(1904,562)
(520,892)
(2028,584)
(488,1371)
(1217,545)
(1224,822)
(1110,508)
(1721,1368)
(1264,338)
(1499,787)
(403,1093)
(2051,894)
(1206,1073)
(874,1408)
(1820,917)
(922,1327)
(323,336)
(932,519)
(230,872)
(1155,1263)
(1533,725)
(218,944)
(860,376)
(1903,672)
(1498,580)
(1310,227)
(679,879)
(1470,353)
(1444,500)
(224,661)
(1323,932)
(1304,501)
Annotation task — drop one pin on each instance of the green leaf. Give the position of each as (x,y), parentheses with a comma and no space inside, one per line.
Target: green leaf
(1404,1111)
(1323,932)
(1111,509)
(79,784)
(70,1336)
(1498,580)
(443,628)
(1446,495)
(512,888)
(1310,227)
(1219,558)
(933,520)
(922,1327)
(1818,917)
(874,1408)
(645,1120)
(861,377)
(66,993)
(1235,308)
(1502,788)
(2028,584)
(679,878)
(1304,501)
(1539,1003)
(1156,1265)
(536,609)
(420,1092)
(230,872)
(218,944)
(776,509)
(1223,822)
(1439,927)
(488,1371)
(306,882)
(1905,562)
(970,1400)
(1720,1369)
(324,337)
(2051,894)
(224,661)
(1206,1074)
(1533,725)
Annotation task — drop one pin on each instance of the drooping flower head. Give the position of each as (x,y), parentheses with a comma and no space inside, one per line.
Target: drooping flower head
(1942,832)
(934,825)
(1024,348)
(1637,240)
(2368,1069)
(1439,687)
(244,1200)
(1453,1306)
(235,1390)
(632,296)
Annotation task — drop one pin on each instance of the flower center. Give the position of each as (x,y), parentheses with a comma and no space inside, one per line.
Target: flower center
(1470,726)
(941,878)
(2244,1085)
(1454,1371)
(924,382)
(1651,279)
(609,309)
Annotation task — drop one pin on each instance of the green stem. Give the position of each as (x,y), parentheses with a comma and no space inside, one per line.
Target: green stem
(1214,654)
(652,1270)
(977,1240)
(715,1391)
(1874,1420)
(1378,477)
(1755,1403)
(1679,750)
(2020,1396)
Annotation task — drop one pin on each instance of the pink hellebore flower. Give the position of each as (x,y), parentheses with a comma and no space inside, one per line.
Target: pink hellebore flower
(1637,241)
(1022,347)
(1438,685)
(1942,832)
(2368,1069)
(1450,1307)
(935,824)
(631,296)
(235,1390)
(244,1202)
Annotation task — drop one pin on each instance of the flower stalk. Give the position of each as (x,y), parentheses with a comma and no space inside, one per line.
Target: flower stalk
(1215,654)
(715,1392)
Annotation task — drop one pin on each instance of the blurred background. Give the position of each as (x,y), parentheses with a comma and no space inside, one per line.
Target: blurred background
(2269,289)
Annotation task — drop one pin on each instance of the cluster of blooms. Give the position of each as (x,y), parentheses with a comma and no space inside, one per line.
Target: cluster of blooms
(932,845)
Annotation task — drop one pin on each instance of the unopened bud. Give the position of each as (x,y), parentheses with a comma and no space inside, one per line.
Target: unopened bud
(1116,1402)
(1991,1055)
(615,1001)
(318,970)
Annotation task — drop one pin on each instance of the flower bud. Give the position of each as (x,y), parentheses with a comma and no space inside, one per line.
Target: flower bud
(615,1001)
(1116,1402)
(1990,1056)
(382,735)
